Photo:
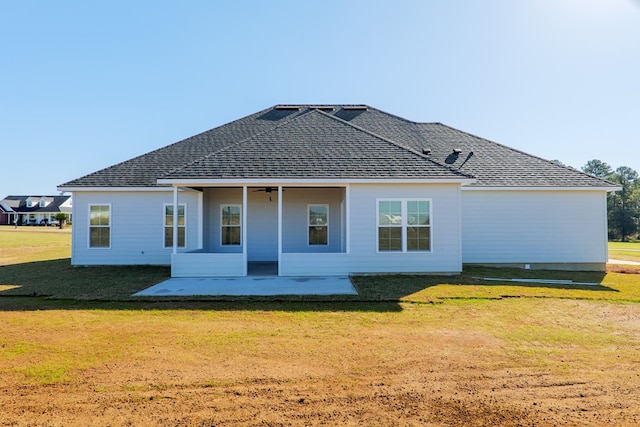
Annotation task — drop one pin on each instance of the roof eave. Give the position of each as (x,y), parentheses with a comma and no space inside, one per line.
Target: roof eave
(309,181)
(72,189)
(542,188)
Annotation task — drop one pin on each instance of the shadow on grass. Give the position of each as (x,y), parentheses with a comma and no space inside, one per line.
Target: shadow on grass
(57,285)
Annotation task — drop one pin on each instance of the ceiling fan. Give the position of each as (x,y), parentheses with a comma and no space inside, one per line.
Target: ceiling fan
(268,191)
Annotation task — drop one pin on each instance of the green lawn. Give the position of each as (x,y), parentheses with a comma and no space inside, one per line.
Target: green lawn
(53,278)
(627,251)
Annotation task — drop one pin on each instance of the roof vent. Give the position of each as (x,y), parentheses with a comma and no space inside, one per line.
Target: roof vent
(322,107)
(426,151)
(457,151)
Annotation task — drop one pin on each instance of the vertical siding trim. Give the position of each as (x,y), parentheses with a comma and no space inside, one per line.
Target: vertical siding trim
(74,240)
(605,226)
(459,205)
(243,230)
(347,201)
(175,220)
(200,229)
(280,194)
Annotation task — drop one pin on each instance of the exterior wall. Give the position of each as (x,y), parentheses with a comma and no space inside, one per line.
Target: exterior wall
(534,227)
(207,265)
(295,233)
(213,199)
(262,225)
(137,227)
(262,220)
(364,257)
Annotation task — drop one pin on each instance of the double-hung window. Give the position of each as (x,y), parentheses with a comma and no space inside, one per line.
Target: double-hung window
(231,225)
(168,226)
(99,226)
(318,225)
(404,225)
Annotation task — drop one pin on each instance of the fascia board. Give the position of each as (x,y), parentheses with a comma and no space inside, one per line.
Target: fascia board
(308,182)
(112,189)
(609,189)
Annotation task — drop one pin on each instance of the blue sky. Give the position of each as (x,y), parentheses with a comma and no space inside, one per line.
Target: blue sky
(85,85)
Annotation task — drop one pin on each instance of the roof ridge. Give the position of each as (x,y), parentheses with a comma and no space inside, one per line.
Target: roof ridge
(550,162)
(397,144)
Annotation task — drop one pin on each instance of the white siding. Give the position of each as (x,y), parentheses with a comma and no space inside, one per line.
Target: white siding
(364,258)
(534,227)
(295,233)
(137,227)
(207,265)
(262,225)
(213,199)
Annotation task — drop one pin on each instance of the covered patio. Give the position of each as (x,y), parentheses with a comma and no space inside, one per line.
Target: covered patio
(294,227)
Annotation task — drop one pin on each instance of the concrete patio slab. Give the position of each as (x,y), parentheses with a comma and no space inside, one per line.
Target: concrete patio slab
(251,286)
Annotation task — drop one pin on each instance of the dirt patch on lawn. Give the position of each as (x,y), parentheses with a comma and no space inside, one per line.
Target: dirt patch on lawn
(353,369)
(454,394)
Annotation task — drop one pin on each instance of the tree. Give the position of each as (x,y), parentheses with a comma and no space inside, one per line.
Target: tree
(598,169)
(623,206)
(62,219)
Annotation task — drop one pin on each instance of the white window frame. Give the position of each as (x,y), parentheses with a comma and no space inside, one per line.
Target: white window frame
(222,226)
(164,223)
(404,224)
(42,203)
(309,225)
(89,226)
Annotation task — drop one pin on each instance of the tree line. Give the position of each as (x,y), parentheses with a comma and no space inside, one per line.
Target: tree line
(623,206)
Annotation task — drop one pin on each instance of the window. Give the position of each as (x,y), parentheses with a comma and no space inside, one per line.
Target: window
(99,226)
(42,203)
(29,203)
(404,225)
(231,225)
(168,226)
(389,226)
(318,223)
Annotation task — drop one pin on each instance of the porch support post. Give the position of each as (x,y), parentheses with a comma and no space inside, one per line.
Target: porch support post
(175,219)
(280,192)
(347,210)
(244,229)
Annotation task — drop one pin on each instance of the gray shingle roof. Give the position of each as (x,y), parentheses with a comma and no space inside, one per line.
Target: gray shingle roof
(316,145)
(348,142)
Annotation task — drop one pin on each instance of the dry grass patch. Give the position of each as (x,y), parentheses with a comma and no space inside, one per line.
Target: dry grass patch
(462,362)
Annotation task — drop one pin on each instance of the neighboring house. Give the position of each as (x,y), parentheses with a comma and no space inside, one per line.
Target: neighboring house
(34,210)
(338,189)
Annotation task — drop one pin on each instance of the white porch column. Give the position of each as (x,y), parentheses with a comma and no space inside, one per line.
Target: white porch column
(280,192)
(243,229)
(175,219)
(347,204)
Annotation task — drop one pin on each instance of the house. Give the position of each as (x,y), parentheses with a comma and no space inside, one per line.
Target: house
(338,189)
(34,210)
